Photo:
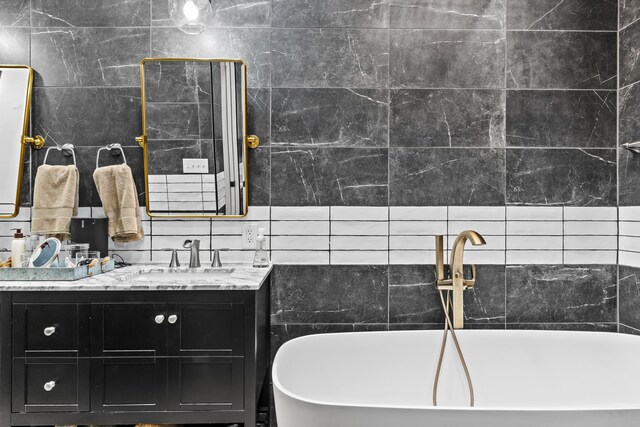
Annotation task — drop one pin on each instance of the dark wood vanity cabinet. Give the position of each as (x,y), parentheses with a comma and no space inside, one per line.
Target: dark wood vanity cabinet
(115,357)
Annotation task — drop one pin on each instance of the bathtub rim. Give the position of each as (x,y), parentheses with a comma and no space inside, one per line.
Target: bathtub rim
(277,384)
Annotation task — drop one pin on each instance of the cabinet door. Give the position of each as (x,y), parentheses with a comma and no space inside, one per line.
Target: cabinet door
(128,384)
(128,330)
(54,330)
(50,385)
(206,329)
(206,383)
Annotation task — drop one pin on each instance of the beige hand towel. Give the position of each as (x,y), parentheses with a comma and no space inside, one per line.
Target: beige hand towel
(55,200)
(119,197)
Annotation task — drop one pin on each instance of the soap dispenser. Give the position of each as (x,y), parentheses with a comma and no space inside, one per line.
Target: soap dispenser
(18,248)
(261,258)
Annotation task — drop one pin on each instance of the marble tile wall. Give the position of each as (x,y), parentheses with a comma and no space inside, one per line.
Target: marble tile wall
(506,108)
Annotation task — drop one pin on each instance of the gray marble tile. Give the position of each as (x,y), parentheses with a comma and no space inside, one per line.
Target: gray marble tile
(330,13)
(172,121)
(330,117)
(447,118)
(593,327)
(561,60)
(552,294)
(90,13)
(25,188)
(629,296)
(414,299)
(628,176)
(443,58)
(446,177)
(88,56)
(251,45)
(329,294)
(259,114)
(227,13)
(629,55)
(14,46)
(561,118)
(87,116)
(629,114)
(624,329)
(448,14)
(330,57)
(329,176)
(562,15)
(260,176)
(569,177)
(14,13)
(629,12)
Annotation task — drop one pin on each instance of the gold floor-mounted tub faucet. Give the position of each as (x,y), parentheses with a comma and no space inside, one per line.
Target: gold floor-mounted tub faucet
(456,282)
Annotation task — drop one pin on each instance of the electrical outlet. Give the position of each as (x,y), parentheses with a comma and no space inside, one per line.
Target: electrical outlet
(249,235)
(195,165)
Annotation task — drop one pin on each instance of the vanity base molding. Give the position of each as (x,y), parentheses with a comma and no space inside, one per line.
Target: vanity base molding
(127,357)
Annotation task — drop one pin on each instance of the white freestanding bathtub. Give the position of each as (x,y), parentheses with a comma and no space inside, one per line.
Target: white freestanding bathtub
(521,378)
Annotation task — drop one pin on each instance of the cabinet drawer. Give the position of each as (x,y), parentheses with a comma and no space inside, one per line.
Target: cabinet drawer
(39,329)
(47,385)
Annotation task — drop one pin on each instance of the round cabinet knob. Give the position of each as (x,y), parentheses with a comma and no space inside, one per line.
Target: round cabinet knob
(50,330)
(48,386)
(173,319)
(159,318)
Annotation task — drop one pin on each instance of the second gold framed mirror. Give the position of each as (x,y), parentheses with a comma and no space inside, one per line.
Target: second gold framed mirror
(194,119)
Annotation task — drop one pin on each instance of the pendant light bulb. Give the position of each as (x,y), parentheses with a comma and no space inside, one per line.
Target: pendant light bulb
(190,16)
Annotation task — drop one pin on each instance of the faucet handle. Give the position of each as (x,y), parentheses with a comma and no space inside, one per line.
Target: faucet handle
(175,262)
(470,283)
(216,257)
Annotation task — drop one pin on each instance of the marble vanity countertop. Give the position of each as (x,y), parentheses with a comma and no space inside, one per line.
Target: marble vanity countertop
(155,278)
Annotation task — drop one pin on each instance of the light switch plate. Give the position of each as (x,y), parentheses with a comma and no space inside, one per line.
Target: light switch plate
(195,165)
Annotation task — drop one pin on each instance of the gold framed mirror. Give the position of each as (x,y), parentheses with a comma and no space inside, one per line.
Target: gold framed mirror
(195,142)
(16,85)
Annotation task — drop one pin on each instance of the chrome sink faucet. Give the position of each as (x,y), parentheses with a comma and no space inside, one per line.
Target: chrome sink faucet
(194,245)
(456,282)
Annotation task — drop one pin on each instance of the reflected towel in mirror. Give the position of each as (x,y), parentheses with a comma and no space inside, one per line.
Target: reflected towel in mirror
(117,191)
(55,200)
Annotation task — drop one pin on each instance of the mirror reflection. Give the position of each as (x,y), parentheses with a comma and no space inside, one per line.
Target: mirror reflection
(15,91)
(194,115)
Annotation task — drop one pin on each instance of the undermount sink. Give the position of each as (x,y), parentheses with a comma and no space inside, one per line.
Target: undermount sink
(190,276)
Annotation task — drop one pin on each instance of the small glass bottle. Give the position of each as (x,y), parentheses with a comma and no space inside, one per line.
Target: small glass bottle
(261,258)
